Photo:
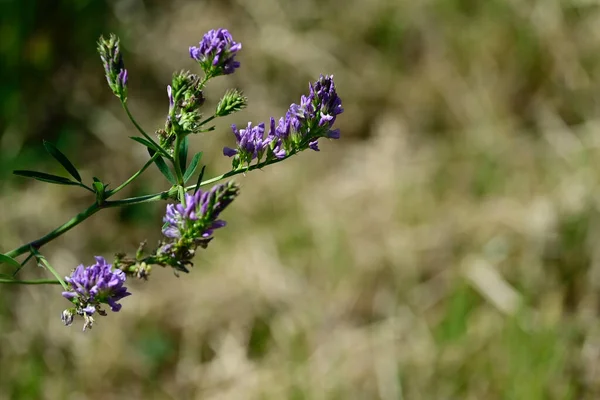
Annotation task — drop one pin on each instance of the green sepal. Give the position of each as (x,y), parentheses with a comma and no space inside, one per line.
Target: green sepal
(44,177)
(4,259)
(62,159)
(192,168)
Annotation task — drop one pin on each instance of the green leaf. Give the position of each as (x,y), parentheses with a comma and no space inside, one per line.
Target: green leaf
(200,179)
(4,259)
(183,153)
(41,176)
(192,168)
(62,159)
(149,145)
(163,168)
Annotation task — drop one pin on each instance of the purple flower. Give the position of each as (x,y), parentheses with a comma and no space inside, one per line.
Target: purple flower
(251,142)
(278,135)
(300,129)
(327,102)
(216,53)
(197,217)
(89,287)
(171,100)
(96,284)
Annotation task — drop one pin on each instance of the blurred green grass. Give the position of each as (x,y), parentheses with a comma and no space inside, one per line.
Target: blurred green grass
(444,248)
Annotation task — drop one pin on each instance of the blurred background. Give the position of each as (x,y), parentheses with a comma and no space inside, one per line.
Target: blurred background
(447,247)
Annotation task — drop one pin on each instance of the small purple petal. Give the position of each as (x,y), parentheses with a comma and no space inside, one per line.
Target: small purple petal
(334,134)
(229,152)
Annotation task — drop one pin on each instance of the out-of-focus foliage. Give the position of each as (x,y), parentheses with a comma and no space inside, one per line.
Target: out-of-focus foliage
(445,247)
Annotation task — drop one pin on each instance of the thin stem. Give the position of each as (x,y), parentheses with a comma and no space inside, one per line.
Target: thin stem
(133,177)
(207,120)
(46,264)
(138,127)
(22,265)
(167,194)
(76,220)
(30,282)
(86,187)
(164,195)
(240,171)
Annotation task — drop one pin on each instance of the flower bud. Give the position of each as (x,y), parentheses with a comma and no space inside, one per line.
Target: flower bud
(114,68)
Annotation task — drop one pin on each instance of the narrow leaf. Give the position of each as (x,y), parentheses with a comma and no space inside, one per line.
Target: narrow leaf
(41,176)
(183,153)
(192,168)
(164,169)
(200,179)
(63,160)
(4,259)
(148,144)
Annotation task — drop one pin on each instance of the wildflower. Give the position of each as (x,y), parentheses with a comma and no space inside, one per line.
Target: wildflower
(300,129)
(191,224)
(197,216)
(90,287)
(216,53)
(114,68)
(251,143)
(316,113)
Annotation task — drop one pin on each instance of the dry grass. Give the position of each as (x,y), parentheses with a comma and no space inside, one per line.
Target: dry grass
(445,248)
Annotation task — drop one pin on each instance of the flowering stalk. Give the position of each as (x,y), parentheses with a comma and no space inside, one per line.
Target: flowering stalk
(189,223)
(300,129)
(94,208)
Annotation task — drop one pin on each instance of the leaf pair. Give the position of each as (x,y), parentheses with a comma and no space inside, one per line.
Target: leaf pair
(63,160)
(166,171)
(183,153)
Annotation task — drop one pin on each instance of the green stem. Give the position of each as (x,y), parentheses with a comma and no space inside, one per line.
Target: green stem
(164,195)
(76,220)
(83,185)
(46,264)
(138,127)
(133,177)
(240,171)
(30,282)
(208,120)
(22,265)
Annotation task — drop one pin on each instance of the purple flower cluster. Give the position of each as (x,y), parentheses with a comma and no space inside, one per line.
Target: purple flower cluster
(300,129)
(197,216)
(89,287)
(216,53)
(192,223)
(322,104)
